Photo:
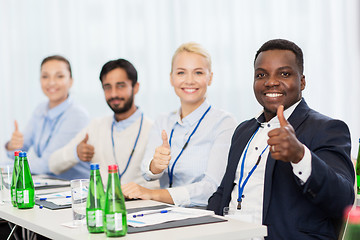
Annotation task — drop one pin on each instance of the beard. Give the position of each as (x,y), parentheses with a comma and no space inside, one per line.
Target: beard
(117,109)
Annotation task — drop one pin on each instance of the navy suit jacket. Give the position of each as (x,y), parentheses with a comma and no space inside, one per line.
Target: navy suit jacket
(292,210)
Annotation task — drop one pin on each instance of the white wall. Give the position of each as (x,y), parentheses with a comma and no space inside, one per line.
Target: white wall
(147,32)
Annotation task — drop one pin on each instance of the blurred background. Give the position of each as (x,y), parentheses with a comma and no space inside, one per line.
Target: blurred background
(147,32)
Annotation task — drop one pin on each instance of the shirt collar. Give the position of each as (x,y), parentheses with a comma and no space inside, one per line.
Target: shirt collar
(193,117)
(122,124)
(287,113)
(58,110)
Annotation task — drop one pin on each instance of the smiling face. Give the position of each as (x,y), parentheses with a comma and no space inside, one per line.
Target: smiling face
(190,78)
(55,81)
(277,80)
(119,93)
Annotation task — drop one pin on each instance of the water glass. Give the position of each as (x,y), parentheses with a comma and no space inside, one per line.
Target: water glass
(79,193)
(5,183)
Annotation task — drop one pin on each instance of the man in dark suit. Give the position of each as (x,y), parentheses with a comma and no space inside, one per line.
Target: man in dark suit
(289,170)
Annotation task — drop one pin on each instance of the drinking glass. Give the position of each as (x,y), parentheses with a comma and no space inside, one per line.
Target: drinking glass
(5,183)
(79,193)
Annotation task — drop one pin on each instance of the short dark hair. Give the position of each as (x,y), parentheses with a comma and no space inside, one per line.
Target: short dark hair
(58,58)
(282,44)
(123,64)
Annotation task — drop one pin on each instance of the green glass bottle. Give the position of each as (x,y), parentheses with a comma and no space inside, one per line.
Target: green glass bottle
(14,178)
(115,211)
(352,231)
(358,170)
(25,191)
(95,201)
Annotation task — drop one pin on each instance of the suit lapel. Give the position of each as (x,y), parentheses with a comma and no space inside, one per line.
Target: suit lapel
(296,118)
(270,164)
(238,146)
(242,140)
(299,115)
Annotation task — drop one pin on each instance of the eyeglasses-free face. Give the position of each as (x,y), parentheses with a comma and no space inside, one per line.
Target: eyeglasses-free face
(190,78)
(55,81)
(277,81)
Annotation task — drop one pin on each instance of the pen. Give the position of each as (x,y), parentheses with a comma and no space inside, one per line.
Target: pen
(39,183)
(44,199)
(144,214)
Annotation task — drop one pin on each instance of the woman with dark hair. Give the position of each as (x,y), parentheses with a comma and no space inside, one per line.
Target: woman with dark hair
(54,122)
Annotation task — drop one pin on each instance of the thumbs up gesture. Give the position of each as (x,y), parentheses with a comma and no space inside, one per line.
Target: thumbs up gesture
(282,141)
(162,156)
(85,151)
(17,139)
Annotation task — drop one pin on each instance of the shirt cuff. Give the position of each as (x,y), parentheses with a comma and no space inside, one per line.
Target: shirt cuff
(150,176)
(303,168)
(10,154)
(75,154)
(180,196)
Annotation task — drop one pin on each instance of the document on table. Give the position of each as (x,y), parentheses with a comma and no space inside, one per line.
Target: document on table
(58,198)
(41,181)
(152,217)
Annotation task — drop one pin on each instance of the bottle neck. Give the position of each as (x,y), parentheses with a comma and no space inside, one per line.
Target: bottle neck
(113,179)
(96,171)
(94,174)
(23,163)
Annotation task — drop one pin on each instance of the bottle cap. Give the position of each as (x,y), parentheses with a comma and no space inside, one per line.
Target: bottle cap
(113,167)
(22,154)
(353,215)
(94,166)
(16,153)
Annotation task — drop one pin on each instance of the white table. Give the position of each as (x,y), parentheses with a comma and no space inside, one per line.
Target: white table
(48,223)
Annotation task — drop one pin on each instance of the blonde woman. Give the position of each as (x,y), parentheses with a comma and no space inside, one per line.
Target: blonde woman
(187,149)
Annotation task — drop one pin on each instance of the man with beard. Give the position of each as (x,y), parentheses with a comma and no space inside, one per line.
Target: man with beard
(119,139)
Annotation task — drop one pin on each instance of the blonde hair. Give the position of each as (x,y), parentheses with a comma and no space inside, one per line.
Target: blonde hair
(192,47)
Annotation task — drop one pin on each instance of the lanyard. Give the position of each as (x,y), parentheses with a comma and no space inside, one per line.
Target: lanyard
(241,187)
(133,150)
(52,129)
(171,173)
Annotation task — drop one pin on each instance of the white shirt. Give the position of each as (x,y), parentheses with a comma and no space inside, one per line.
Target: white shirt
(49,130)
(99,131)
(252,203)
(200,168)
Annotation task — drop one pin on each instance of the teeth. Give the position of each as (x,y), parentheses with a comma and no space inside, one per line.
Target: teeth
(189,90)
(273,94)
(51,90)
